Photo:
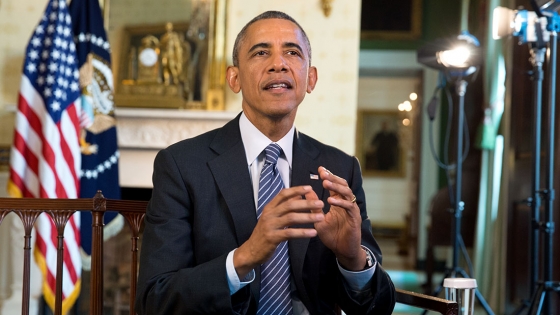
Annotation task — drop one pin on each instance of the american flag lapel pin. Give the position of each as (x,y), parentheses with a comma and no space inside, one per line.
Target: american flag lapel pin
(313,176)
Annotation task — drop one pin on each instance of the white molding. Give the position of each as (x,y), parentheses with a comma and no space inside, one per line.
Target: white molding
(143,132)
(157,129)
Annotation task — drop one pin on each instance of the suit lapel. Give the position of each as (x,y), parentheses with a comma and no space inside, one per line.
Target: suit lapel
(304,169)
(231,174)
(232,177)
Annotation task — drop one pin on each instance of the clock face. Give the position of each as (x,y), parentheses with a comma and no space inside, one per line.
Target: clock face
(148,57)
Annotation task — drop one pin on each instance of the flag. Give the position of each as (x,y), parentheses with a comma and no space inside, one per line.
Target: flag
(45,155)
(100,154)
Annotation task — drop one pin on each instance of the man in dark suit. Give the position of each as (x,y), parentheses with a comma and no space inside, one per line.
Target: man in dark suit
(203,247)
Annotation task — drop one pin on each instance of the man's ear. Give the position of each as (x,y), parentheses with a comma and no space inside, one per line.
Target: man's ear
(232,77)
(311,79)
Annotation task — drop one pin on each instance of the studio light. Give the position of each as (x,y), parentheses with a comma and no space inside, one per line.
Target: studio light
(519,23)
(528,26)
(459,55)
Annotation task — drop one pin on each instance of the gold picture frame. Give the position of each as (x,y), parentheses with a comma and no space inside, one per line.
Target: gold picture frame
(378,146)
(391,20)
(171,64)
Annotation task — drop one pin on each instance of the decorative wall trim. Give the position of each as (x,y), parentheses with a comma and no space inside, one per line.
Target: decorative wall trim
(159,128)
(143,132)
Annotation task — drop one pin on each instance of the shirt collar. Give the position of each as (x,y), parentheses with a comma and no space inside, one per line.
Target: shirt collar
(255,141)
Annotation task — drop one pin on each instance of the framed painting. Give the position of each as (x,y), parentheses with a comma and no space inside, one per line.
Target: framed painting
(378,146)
(391,20)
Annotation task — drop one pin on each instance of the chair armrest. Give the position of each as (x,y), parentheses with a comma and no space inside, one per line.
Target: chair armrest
(427,302)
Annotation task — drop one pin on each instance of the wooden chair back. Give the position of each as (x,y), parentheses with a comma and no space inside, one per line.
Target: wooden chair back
(60,211)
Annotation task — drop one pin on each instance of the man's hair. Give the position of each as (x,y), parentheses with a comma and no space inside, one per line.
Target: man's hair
(265,16)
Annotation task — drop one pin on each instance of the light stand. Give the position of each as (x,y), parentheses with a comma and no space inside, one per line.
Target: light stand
(544,25)
(455,270)
(537,59)
(426,56)
(461,89)
(539,296)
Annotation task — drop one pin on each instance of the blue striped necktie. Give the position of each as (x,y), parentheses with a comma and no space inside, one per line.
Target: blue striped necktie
(275,273)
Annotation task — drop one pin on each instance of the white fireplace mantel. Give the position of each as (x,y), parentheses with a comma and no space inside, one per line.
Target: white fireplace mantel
(143,132)
(159,128)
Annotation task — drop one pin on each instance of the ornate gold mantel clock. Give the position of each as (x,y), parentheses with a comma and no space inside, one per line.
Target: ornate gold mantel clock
(174,64)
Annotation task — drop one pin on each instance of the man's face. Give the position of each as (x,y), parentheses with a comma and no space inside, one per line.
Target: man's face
(273,74)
